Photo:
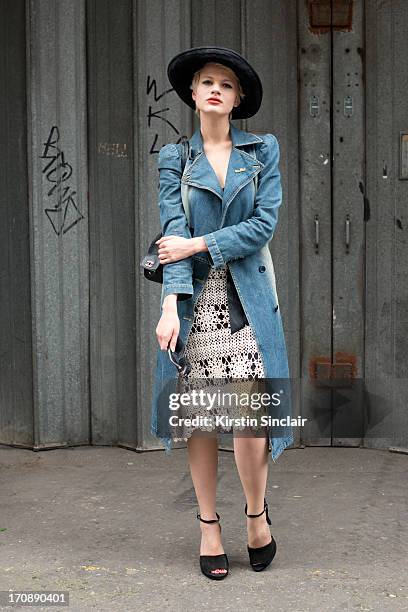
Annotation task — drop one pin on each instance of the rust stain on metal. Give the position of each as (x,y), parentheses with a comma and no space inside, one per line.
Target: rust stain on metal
(320,362)
(344,366)
(325,15)
(342,357)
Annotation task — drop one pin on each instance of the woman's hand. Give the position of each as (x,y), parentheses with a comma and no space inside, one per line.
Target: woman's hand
(174,248)
(168,327)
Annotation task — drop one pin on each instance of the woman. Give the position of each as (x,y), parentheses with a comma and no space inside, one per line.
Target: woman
(219,292)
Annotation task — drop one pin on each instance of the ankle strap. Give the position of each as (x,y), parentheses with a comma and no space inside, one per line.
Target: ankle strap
(268,520)
(209,521)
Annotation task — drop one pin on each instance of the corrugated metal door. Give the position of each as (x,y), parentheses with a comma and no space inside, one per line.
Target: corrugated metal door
(16,379)
(353,115)
(331,97)
(386,198)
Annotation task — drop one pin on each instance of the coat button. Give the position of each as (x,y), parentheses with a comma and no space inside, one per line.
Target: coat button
(262,268)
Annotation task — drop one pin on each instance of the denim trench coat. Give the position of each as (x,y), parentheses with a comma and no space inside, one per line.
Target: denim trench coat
(237,224)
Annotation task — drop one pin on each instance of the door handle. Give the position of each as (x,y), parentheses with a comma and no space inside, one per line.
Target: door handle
(316,221)
(348,233)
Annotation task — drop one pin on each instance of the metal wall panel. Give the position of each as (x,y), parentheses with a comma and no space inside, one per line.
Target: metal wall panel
(58,220)
(270,41)
(315,210)
(16,382)
(113,369)
(218,23)
(386,351)
(161,30)
(348,258)
(332,151)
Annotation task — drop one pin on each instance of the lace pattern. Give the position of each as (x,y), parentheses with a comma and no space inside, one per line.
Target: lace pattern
(234,360)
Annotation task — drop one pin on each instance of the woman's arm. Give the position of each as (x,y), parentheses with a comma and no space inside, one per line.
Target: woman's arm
(178,275)
(168,327)
(244,238)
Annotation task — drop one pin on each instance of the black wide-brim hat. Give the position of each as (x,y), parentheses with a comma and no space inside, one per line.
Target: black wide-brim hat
(182,67)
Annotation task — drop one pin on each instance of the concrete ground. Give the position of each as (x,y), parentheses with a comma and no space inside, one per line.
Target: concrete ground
(118,530)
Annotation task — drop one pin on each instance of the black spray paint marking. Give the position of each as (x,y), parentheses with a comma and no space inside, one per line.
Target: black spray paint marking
(152,114)
(366,202)
(65,214)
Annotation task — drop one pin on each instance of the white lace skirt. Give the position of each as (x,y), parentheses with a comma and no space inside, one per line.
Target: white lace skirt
(219,359)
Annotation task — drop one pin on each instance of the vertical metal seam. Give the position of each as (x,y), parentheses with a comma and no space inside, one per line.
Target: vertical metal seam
(88,157)
(244,42)
(331,127)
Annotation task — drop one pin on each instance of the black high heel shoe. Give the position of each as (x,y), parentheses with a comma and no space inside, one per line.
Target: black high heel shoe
(262,556)
(212,564)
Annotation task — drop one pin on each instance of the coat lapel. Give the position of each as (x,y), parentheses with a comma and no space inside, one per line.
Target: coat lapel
(201,174)
(241,168)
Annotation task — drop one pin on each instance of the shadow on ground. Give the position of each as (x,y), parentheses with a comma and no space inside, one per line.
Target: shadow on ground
(118,530)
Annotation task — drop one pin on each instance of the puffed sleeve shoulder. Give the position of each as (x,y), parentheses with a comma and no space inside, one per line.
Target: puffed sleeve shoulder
(269,149)
(169,157)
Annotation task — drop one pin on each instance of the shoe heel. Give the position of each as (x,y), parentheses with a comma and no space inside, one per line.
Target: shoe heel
(262,556)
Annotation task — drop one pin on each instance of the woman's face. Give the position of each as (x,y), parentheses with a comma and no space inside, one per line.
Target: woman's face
(216,83)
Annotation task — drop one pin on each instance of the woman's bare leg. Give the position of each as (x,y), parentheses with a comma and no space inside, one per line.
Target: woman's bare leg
(251,458)
(203,461)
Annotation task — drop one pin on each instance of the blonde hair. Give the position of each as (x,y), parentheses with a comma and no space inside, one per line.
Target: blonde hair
(196,80)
